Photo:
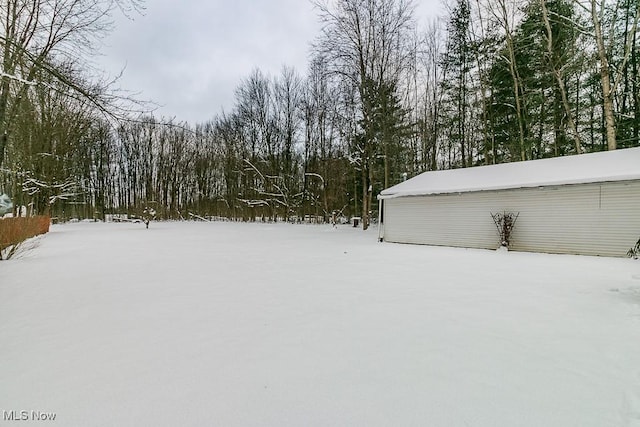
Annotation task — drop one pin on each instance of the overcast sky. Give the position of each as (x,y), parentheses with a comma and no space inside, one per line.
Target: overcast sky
(189,56)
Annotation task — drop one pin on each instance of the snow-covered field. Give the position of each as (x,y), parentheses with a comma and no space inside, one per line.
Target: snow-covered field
(229,324)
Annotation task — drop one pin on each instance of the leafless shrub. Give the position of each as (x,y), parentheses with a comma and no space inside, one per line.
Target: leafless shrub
(634,252)
(505,222)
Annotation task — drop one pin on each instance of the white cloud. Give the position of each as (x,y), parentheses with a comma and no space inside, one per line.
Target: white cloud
(189,56)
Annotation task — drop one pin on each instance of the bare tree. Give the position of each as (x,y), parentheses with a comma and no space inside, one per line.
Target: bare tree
(558,73)
(367,43)
(505,14)
(288,104)
(36,36)
(604,42)
(432,98)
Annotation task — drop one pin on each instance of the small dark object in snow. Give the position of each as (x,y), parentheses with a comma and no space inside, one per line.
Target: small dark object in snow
(147,215)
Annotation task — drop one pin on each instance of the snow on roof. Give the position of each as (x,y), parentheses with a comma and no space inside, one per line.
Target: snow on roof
(617,165)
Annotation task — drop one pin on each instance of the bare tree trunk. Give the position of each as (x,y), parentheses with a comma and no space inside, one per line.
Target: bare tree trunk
(365,207)
(505,21)
(607,93)
(558,74)
(636,92)
(3,144)
(608,85)
(516,92)
(484,89)
(386,162)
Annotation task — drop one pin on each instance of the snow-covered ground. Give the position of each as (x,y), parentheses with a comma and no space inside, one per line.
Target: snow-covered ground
(285,325)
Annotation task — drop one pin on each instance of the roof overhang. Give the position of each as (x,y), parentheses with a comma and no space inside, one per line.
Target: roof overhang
(608,166)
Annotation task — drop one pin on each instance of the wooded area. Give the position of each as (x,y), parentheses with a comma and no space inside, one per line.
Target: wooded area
(493,81)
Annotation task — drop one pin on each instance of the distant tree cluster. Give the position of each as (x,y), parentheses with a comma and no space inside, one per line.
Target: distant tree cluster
(493,81)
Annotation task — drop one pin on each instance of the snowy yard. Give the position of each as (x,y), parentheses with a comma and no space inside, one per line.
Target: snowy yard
(287,325)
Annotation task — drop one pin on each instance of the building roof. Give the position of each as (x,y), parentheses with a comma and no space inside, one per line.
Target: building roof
(617,165)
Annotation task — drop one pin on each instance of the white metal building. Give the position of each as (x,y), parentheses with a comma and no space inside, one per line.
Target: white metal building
(585,204)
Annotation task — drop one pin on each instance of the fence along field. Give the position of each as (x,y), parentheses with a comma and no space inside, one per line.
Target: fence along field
(14,231)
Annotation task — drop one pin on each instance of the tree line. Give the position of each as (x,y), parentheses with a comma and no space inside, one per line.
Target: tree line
(382,100)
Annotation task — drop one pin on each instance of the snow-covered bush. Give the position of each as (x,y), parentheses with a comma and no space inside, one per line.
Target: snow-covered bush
(505,222)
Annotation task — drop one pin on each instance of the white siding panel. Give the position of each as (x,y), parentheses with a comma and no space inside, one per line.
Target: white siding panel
(590,219)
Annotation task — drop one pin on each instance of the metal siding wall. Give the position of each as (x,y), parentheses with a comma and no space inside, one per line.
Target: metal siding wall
(590,219)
